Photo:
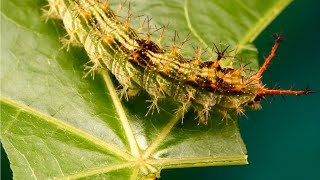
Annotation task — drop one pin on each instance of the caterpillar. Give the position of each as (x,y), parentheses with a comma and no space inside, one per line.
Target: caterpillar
(140,63)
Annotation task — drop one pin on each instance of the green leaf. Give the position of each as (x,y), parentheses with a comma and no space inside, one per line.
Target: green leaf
(56,124)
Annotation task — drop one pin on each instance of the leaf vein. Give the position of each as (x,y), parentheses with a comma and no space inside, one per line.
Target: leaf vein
(165,131)
(193,31)
(67,127)
(24,157)
(99,171)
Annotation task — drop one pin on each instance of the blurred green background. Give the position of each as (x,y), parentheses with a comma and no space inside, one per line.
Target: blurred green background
(283,139)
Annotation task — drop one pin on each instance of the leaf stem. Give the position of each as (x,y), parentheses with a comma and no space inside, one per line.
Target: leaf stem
(198,162)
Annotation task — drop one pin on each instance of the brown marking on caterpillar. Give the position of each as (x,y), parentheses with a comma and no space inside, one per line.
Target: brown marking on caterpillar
(108,39)
(148,40)
(146,45)
(192,78)
(106,5)
(135,57)
(127,21)
(197,58)
(238,87)
(213,85)
(165,69)
(86,14)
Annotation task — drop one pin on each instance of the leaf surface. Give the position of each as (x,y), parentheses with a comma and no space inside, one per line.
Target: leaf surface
(56,124)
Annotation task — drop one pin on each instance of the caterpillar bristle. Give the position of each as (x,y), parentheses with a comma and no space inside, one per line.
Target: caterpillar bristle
(153,106)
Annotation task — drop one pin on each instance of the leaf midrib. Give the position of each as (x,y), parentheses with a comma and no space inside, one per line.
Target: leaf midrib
(122,116)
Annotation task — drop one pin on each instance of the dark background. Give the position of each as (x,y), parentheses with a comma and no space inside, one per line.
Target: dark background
(283,139)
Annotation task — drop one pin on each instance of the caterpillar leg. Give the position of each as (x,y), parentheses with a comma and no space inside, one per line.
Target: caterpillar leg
(225,116)
(69,40)
(153,106)
(203,115)
(93,65)
(182,110)
(127,91)
(50,11)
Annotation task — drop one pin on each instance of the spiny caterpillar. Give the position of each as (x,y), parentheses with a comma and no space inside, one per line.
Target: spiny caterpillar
(140,63)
